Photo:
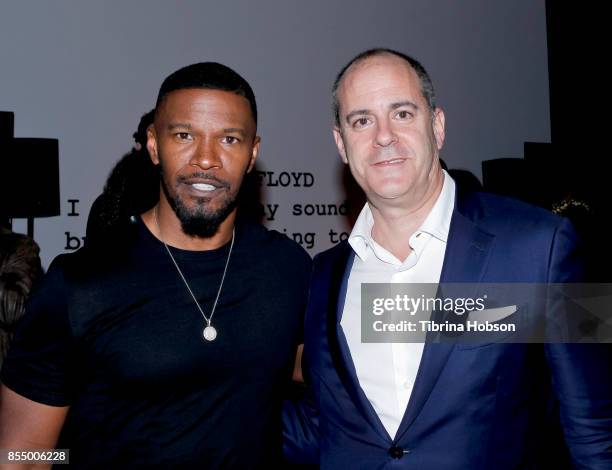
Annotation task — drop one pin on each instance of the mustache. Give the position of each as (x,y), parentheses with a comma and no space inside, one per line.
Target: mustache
(205,176)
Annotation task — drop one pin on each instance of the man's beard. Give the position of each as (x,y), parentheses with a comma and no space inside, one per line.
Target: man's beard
(199,221)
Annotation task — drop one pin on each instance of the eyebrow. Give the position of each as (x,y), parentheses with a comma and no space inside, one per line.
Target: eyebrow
(357,112)
(178,125)
(396,105)
(408,103)
(237,130)
(228,130)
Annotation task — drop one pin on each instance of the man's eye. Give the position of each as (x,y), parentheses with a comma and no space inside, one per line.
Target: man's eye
(360,122)
(403,114)
(183,136)
(229,139)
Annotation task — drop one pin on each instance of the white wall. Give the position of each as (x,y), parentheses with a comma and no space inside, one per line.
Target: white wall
(84,72)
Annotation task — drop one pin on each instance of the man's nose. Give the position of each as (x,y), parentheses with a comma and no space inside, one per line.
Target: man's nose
(206,156)
(385,134)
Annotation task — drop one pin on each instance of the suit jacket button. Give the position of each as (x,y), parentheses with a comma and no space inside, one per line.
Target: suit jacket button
(397,452)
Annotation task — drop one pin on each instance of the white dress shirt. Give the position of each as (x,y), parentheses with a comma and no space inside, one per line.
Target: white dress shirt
(387,371)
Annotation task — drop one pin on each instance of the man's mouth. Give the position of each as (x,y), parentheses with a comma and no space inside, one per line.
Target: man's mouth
(390,161)
(203,187)
(206,190)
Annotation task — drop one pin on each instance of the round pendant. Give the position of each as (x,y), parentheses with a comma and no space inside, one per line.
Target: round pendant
(210,333)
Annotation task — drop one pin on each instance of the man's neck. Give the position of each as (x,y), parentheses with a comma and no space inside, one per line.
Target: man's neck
(163,223)
(395,224)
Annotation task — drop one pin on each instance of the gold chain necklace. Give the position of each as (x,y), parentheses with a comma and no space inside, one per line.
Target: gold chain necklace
(209,333)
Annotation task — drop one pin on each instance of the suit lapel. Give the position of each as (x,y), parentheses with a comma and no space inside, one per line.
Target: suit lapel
(465,260)
(339,349)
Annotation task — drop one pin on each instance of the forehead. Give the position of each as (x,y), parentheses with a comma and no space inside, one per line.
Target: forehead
(197,104)
(377,78)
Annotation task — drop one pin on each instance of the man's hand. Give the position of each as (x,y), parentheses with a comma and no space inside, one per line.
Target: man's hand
(297,368)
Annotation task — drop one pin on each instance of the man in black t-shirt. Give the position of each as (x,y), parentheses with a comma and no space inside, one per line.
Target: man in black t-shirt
(170,342)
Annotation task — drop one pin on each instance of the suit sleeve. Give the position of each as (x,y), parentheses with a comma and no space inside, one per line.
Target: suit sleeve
(581,373)
(301,411)
(301,425)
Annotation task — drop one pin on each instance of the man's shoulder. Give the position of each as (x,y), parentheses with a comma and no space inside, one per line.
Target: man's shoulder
(338,253)
(267,242)
(500,212)
(68,263)
(94,263)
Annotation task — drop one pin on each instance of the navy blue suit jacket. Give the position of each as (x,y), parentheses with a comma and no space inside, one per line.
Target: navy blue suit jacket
(473,406)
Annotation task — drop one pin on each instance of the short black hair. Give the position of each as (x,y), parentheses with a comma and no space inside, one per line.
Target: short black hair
(208,75)
(427,88)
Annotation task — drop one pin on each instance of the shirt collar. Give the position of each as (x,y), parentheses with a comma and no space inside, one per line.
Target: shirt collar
(437,222)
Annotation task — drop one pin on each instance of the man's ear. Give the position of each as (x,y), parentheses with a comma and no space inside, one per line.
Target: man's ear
(152,144)
(340,144)
(255,151)
(438,127)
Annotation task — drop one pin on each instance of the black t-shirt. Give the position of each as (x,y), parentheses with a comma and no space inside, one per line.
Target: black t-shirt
(115,334)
